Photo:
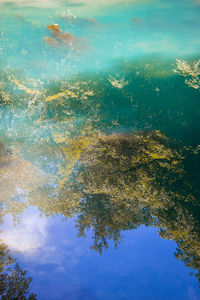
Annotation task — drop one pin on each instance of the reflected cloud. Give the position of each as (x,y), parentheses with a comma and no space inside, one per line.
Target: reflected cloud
(26,237)
(64,256)
(32,238)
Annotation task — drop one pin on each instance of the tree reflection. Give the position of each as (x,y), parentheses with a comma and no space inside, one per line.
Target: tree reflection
(141,178)
(122,181)
(108,219)
(108,183)
(14,282)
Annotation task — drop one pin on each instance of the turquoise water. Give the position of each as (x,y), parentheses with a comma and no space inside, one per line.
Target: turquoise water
(99,149)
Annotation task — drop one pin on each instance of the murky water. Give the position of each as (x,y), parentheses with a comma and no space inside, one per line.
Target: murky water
(99,149)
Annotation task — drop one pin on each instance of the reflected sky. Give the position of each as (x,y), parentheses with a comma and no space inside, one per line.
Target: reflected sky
(63,266)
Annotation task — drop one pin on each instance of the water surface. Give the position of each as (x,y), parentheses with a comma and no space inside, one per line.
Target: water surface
(99,149)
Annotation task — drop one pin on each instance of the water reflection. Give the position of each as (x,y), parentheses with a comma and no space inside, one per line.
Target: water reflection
(128,180)
(123,181)
(98,128)
(14,281)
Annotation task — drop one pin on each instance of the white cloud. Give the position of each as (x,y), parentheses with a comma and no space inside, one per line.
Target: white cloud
(26,237)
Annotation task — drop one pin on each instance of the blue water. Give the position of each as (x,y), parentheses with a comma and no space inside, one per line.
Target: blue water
(99,149)
(142,266)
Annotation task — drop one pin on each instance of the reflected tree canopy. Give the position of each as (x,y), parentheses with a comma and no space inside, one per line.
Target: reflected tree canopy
(14,281)
(68,164)
(122,181)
